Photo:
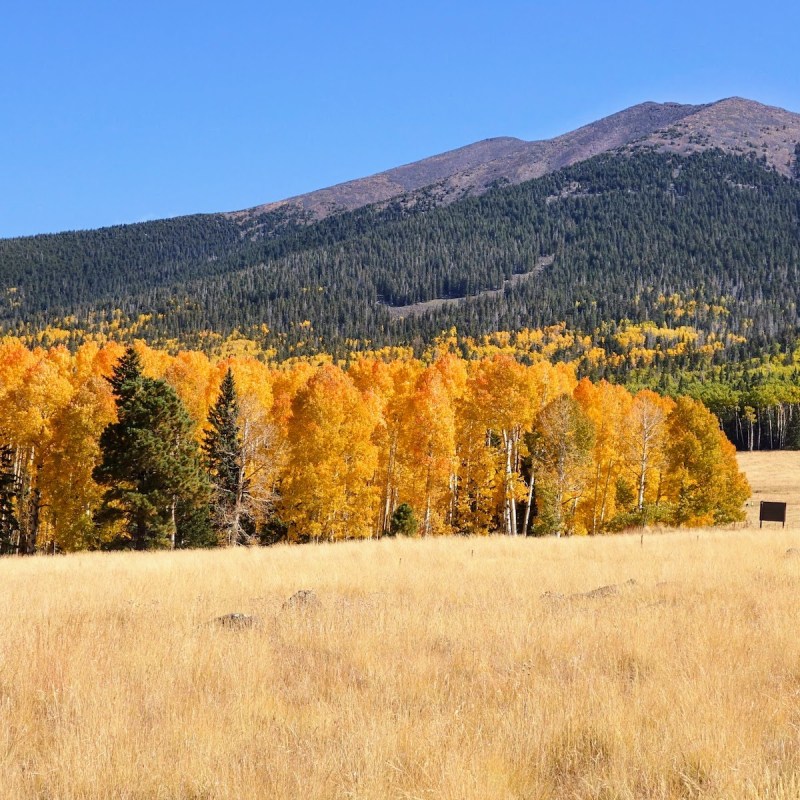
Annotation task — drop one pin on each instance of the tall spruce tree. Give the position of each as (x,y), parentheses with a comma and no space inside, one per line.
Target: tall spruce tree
(223,450)
(157,491)
(9,526)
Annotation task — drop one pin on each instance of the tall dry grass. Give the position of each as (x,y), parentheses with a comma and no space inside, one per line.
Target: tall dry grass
(773,476)
(449,668)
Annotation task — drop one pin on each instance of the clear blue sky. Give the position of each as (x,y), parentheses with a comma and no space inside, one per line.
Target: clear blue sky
(119,112)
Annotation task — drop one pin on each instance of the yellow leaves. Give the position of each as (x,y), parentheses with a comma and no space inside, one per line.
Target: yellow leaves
(343,448)
(702,476)
(43,389)
(329,490)
(189,373)
(504,392)
(630,337)
(426,447)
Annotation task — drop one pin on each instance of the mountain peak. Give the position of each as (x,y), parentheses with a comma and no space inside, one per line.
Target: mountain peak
(734,124)
(738,126)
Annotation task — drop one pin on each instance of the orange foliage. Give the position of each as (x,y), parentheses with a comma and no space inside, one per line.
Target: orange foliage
(335,451)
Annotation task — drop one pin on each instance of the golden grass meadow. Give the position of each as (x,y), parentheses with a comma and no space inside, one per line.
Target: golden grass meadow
(441,668)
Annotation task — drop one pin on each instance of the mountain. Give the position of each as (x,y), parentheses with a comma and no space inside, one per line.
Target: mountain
(672,213)
(734,125)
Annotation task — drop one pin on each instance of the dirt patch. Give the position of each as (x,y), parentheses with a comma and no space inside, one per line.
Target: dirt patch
(418,309)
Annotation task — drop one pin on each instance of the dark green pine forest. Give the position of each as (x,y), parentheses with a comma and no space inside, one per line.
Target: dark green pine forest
(622,230)
(591,245)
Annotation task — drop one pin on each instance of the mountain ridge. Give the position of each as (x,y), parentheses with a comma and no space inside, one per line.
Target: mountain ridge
(734,124)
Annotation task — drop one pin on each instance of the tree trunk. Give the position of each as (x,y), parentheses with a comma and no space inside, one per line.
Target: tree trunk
(174,534)
(511,506)
(642,479)
(529,504)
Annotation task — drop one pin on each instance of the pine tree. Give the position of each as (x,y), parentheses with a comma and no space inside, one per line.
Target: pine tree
(157,491)
(223,453)
(404,522)
(9,526)
(127,375)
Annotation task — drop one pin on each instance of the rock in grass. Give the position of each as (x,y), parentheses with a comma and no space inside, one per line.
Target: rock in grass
(606,591)
(237,621)
(600,591)
(303,599)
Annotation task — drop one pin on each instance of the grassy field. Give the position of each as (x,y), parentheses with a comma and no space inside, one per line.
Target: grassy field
(773,476)
(461,669)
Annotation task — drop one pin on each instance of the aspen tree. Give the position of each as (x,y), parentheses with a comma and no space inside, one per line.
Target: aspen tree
(328,490)
(703,476)
(645,439)
(562,443)
(607,406)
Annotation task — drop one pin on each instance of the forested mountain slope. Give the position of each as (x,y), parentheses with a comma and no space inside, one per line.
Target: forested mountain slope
(618,234)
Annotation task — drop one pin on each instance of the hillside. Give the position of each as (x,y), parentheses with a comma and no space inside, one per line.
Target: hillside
(735,125)
(475,168)
(617,233)
(613,221)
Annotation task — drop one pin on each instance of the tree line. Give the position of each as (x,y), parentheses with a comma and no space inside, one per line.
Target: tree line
(113,447)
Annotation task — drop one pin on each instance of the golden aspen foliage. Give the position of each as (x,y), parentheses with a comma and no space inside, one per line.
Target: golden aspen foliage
(189,374)
(15,360)
(562,443)
(390,386)
(703,479)
(155,363)
(426,447)
(507,442)
(68,490)
(328,491)
(607,406)
(503,398)
(264,447)
(645,440)
(286,383)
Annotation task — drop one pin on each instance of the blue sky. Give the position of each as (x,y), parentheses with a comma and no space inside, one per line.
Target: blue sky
(114,113)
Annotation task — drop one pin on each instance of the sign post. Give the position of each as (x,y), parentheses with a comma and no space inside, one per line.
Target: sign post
(772,512)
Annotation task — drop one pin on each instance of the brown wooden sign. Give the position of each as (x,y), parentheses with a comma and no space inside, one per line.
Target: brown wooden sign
(772,512)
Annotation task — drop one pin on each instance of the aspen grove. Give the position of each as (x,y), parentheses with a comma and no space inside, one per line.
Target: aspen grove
(329,452)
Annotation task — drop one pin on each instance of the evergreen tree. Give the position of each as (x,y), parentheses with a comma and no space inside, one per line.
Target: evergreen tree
(127,376)
(224,460)
(9,526)
(404,522)
(157,491)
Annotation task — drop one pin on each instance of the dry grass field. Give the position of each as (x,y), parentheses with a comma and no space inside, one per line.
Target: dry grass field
(773,476)
(459,669)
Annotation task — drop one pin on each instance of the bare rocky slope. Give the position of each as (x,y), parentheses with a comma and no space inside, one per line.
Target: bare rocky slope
(738,126)
(735,125)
